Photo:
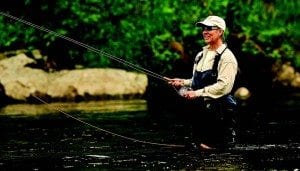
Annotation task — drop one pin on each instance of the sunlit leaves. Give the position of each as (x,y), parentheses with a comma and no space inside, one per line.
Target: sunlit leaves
(124,28)
(270,28)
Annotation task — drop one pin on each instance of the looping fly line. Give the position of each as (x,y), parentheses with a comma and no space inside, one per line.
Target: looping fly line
(106,131)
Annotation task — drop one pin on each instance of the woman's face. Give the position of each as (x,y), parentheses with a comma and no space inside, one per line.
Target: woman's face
(211,34)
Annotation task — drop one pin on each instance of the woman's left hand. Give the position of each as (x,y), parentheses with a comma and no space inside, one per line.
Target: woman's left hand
(190,95)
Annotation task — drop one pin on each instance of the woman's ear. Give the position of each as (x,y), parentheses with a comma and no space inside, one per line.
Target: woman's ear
(221,32)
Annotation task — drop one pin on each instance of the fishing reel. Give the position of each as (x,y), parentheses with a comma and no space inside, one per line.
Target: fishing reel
(183,90)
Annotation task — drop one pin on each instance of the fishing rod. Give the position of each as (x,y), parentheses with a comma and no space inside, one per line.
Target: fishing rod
(136,67)
(97,51)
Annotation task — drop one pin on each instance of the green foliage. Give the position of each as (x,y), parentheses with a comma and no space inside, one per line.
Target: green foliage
(12,33)
(140,31)
(269,28)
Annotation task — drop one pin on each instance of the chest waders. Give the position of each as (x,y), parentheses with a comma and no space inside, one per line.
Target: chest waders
(223,108)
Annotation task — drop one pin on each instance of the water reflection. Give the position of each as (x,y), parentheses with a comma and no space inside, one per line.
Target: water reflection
(38,137)
(106,106)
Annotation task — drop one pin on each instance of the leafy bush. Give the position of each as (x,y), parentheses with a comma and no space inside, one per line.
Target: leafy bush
(140,31)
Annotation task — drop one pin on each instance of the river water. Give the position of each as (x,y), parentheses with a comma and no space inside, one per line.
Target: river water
(74,136)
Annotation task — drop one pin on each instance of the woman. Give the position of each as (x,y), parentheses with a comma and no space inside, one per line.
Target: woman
(214,73)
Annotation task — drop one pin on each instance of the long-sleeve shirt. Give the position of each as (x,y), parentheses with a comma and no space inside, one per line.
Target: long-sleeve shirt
(227,70)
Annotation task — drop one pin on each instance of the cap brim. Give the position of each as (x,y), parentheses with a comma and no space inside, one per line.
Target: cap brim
(203,23)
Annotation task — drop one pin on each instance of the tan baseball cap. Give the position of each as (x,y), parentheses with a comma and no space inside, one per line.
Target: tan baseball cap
(212,21)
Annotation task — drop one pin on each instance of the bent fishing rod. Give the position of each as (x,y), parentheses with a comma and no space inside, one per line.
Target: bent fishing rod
(88,47)
(136,67)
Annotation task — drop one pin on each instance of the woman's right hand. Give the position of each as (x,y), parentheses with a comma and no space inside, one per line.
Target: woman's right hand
(177,82)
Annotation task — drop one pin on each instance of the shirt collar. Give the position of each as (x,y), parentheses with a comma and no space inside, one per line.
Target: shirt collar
(219,50)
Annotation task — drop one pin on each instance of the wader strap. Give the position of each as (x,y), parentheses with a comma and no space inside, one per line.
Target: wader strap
(216,61)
